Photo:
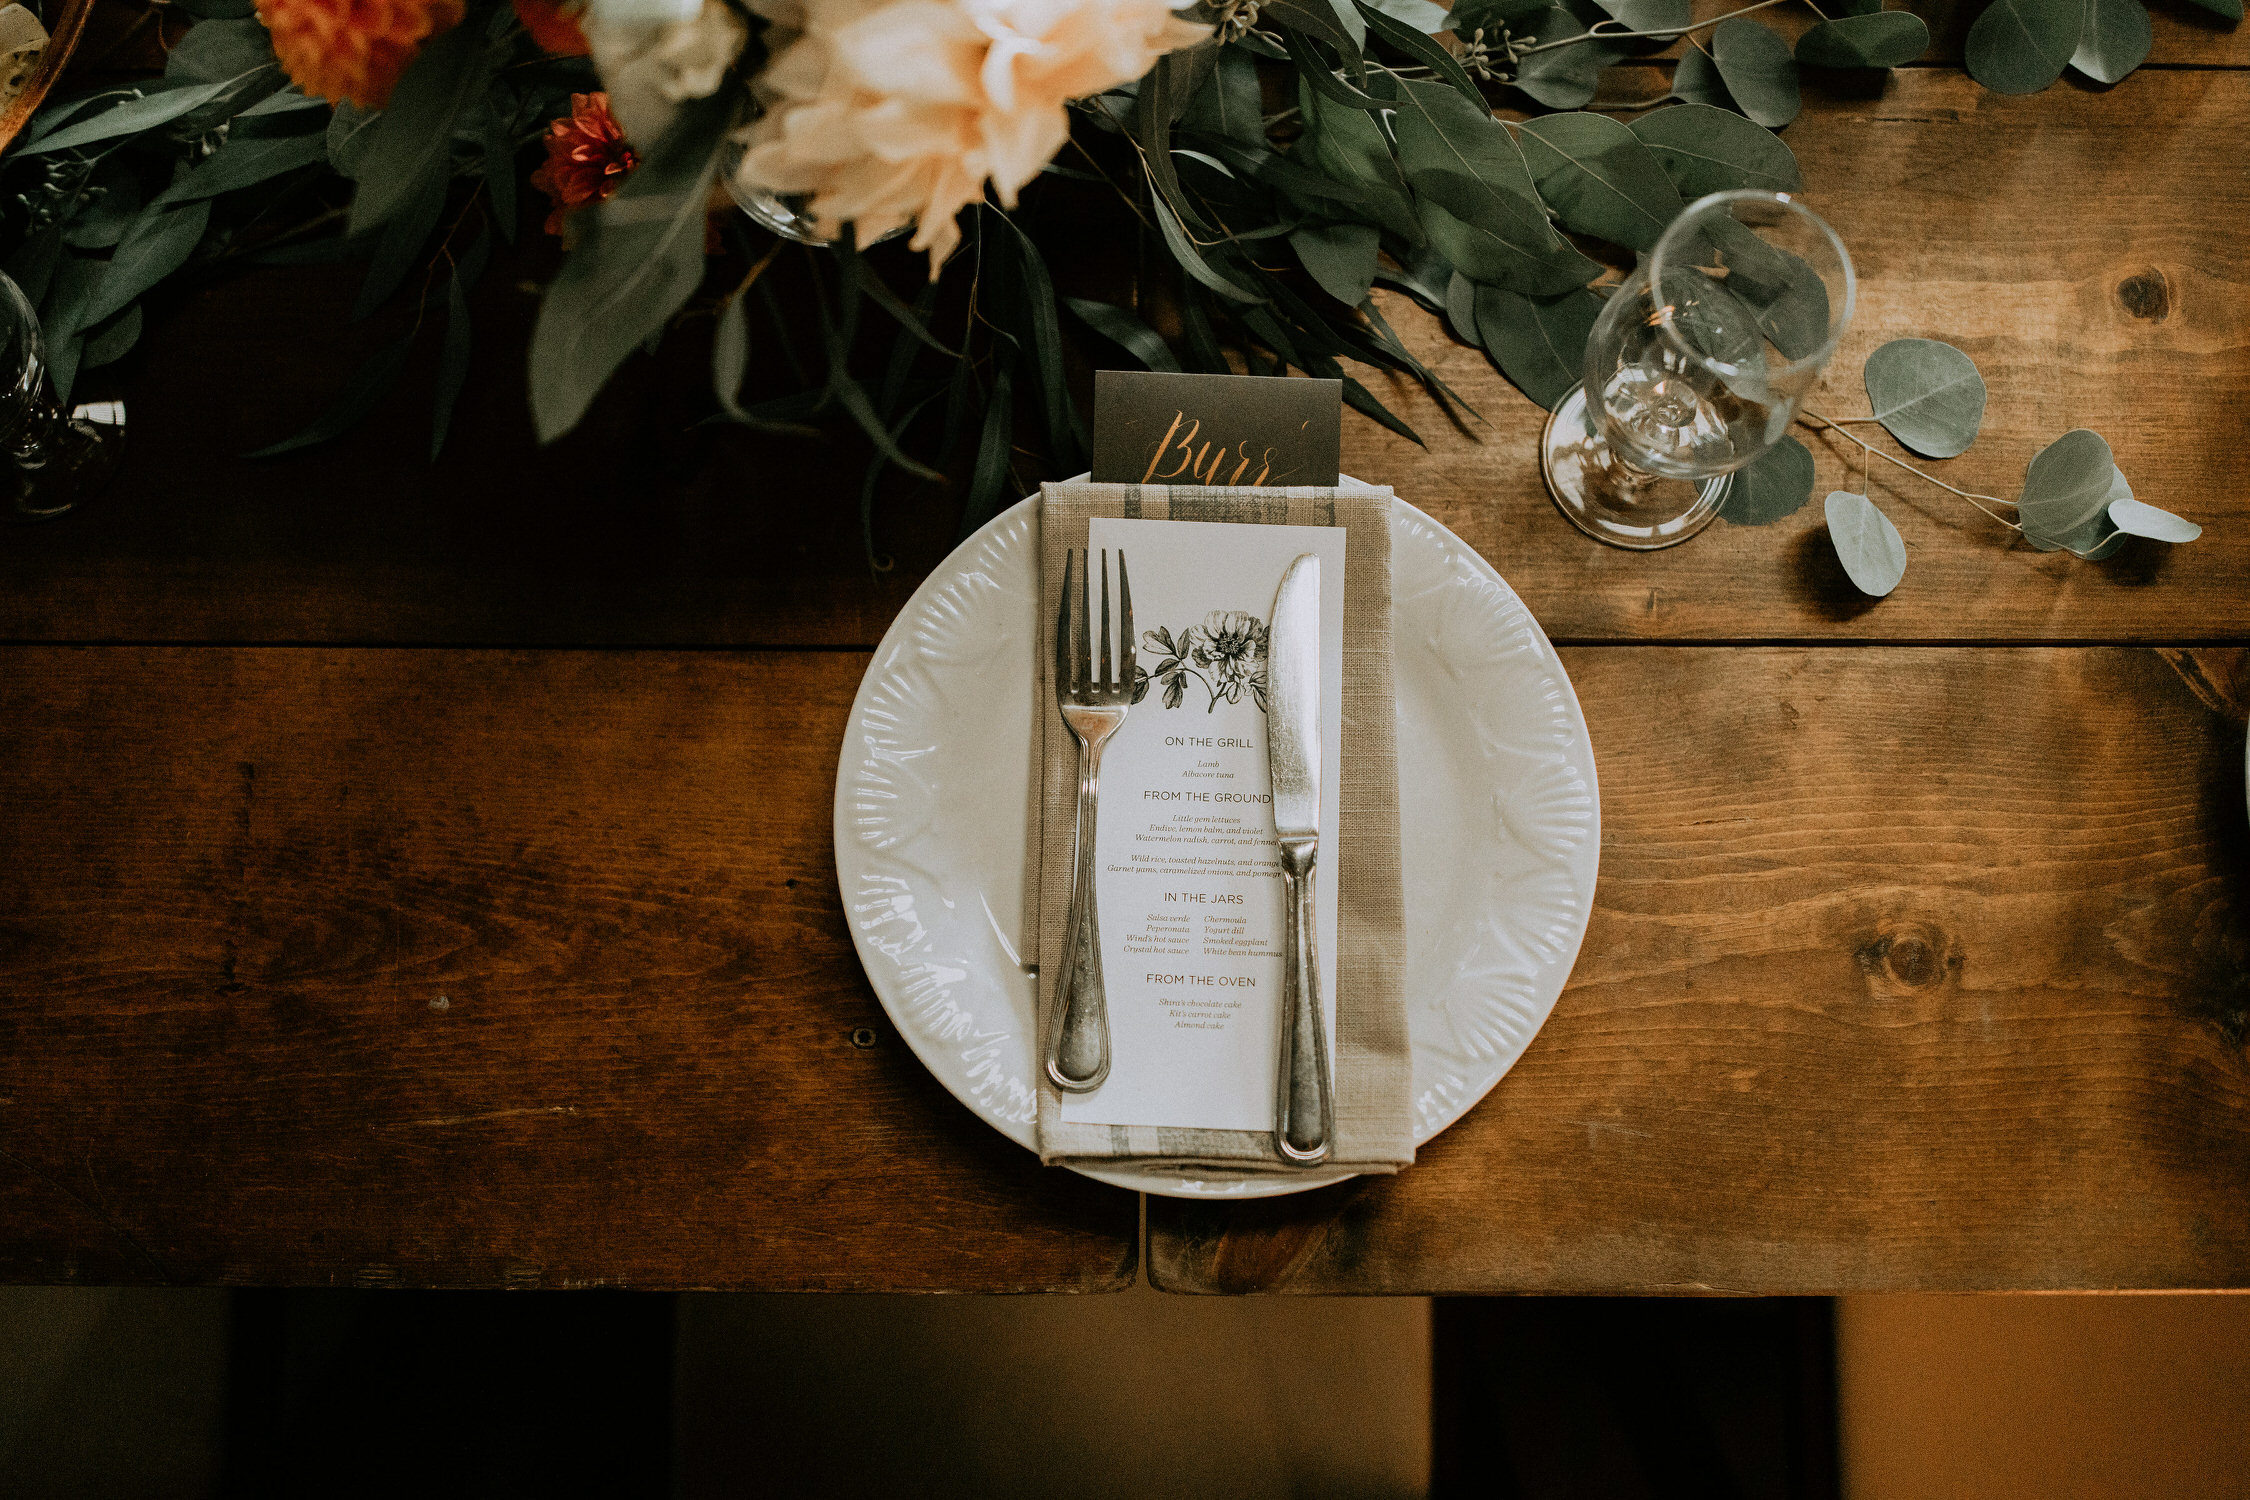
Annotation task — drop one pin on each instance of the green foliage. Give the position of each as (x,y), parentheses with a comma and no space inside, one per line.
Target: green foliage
(1777,483)
(1877,39)
(1758,69)
(1929,395)
(1867,544)
(2021,46)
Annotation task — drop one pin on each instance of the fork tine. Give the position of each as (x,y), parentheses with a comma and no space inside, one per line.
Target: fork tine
(1125,635)
(1062,631)
(1084,680)
(1109,680)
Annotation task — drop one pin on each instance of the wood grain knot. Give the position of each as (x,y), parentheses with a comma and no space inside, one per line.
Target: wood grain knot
(1914,957)
(2148,295)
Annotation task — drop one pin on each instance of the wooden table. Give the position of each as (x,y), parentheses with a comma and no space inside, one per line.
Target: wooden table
(421,875)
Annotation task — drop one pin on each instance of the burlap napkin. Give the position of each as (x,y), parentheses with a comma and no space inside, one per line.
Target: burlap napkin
(1373,1074)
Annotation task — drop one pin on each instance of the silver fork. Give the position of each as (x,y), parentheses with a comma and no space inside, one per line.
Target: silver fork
(1077,1052)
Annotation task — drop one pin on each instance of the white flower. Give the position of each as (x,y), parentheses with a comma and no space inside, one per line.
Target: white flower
(651,67)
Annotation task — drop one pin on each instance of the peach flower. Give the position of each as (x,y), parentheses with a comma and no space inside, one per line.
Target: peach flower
(885,113)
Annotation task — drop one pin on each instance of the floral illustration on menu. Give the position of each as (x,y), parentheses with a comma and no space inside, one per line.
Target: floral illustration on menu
(1224,657)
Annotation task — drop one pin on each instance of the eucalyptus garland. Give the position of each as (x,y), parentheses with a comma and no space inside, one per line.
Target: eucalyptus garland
(1267,180)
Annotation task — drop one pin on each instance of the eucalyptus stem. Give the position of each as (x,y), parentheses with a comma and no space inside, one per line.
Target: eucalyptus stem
(1837,426)
(1596,34)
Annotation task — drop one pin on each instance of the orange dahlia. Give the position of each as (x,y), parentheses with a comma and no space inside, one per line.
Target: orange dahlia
(586,158)
(554,26)
(353,49)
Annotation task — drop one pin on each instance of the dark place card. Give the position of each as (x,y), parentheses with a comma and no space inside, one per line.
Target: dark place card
(1151,427)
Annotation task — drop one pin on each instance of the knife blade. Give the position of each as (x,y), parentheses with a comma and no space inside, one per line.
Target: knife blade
(1304,1106)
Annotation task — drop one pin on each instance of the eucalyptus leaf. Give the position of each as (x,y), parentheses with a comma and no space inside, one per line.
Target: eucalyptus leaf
(1417,44)
(1350,147)
(499,152)
(1490,222)
(1125,329)
(1866,543)
(2138,519)
(639,258)
(1042,325)
(1540,344)
(281,102)
(1927,394)
(1487,258)
(1563,77)
(63,311)
(991,472)
(350,132)
(1664,18)
(159,243)
(130,118)
(399,245)
(1599,179)
(115,339)
(1340,257)
(2113,39)
(1461,309)
(216,51)
(730,354)
(1228,104)
(111,201)
(2021,46)
(1695,79)
(411,138)
(1875,39)
(1191,259)
(244,160)
(1419,14)
(1758,69)
(2231,9)
(453,360)
(2066,486)
(1706,150)
(1777,483)
(1468,17)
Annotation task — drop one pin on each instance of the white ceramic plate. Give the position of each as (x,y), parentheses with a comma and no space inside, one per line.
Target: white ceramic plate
(1500,827)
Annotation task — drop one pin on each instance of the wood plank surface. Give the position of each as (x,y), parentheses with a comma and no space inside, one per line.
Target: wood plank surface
(466,968)
(2086,247)
(1910,968)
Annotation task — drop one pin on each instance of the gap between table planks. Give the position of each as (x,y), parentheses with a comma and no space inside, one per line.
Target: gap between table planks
(1922,969)
(2085,247)
(1911,967)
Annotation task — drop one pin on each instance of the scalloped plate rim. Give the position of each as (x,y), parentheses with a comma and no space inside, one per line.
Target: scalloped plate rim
(849,856)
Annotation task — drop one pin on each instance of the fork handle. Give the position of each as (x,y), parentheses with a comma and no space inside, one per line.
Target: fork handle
(1078,1042)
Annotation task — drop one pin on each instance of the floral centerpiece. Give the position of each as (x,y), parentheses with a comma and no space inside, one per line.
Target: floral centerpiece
(1264,164)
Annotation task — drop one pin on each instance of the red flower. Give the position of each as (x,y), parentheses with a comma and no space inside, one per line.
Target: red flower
(586,158)
(353,49)
(554,26)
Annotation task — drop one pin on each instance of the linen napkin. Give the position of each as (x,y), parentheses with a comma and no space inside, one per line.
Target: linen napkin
(1372,1069)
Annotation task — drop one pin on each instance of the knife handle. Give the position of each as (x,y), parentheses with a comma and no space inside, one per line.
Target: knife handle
(1305,1111)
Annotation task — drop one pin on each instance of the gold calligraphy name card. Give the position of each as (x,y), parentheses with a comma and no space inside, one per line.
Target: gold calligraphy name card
(1153,427)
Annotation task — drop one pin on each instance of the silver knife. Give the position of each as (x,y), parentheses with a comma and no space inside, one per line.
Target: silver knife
(1304,1107)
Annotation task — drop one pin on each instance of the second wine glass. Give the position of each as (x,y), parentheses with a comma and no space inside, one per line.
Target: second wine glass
(1696,366)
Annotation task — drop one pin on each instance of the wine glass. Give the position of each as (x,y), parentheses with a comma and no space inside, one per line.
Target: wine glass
(58,459)
(1696,365)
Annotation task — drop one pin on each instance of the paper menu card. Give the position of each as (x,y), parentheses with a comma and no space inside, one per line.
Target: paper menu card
(1190,889)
